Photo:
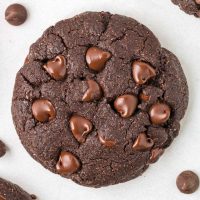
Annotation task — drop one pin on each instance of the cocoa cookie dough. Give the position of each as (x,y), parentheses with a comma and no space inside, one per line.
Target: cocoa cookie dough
(191,7)
(98,99)
(10,191)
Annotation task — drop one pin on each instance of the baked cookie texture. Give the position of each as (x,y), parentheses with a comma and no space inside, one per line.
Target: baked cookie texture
(10,191)
(98,99)
(191,7)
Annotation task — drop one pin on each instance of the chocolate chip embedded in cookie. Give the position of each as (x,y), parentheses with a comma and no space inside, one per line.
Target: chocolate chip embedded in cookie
(95,102)
(126,105)
(12,191)
(142,72)
(80,127)
(96,58)
(2,149)
(56,67)
(67,163)
(143,143)
(191,7)
(43,110)
(159,113)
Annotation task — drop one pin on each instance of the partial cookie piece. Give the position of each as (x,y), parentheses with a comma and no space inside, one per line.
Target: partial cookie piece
(99,99)
(10,191)
(191,7)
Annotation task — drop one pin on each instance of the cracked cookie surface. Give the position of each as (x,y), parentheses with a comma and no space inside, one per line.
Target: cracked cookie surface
(10,191)
(98,99)
(191,7)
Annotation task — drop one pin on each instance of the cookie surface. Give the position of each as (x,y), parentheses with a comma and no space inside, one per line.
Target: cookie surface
(191,7)
(98,99)
(10,191)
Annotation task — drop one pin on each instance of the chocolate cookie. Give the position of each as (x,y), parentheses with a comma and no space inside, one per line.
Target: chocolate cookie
(98,99)
(10,191)
(191,7)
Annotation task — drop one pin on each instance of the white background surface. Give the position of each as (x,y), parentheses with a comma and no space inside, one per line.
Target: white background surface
(176,31)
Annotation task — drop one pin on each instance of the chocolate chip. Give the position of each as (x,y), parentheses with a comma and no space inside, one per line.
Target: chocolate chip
(126,105)
(33,196)
(43,110)
(155,155)
(142,72)
(144,97)
(16,14)
(26,61)
(159,113)
(142,143)
(67,163)
(93,92)
(80,127)
(106,142)
(197,1)
(2,198)
(187,182)
(56,67)
(96,58)
(2,149)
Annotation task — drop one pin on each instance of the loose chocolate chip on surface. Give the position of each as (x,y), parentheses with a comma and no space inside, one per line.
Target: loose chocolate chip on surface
(187,182)
(142,72)
(56,67)
(159,113)
(43,110)
(155,155)
(16,14)
(106,142)
(80,127)
(126,105)
(93,92)
(2,149)
(96,58)
(67,163)
(142,143)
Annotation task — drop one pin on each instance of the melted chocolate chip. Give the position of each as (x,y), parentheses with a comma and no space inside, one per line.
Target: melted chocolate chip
(155,155)
(93,92)
(16,14)
(96,58)
(142,72)
(56,67)
(187,182)
(159,113)
(80,127)
(106,142)
(2,149)
(126,105)
(142,143)
(67,163)
(43,110)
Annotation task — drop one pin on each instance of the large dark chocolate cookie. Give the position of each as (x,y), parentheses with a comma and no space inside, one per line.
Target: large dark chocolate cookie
(10,191)
(98,99)
(191,7)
